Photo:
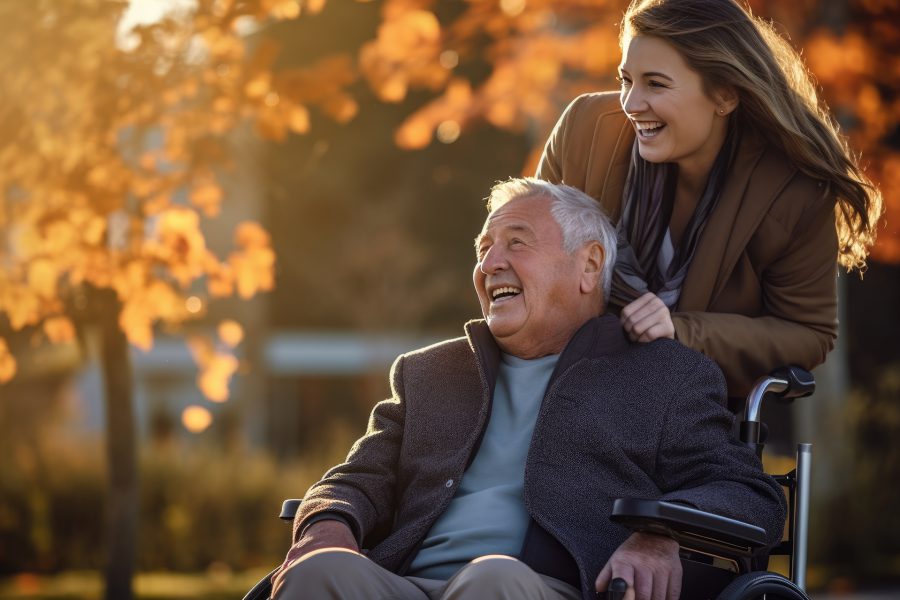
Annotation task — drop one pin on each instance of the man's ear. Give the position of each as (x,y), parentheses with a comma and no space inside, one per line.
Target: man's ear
(593,267)
(726,99)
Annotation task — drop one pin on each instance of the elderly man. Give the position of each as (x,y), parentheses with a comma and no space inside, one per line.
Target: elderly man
(492,469)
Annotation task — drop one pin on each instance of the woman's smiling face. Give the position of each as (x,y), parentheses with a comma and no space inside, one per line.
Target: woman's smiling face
(675,120)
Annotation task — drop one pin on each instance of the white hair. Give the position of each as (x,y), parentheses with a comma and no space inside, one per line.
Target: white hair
(580,217)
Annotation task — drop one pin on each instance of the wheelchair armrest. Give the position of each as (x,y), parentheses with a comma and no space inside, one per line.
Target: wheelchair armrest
(289,508)
(691,528)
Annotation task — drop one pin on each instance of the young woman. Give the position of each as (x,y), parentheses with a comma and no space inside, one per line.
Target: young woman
(734,192)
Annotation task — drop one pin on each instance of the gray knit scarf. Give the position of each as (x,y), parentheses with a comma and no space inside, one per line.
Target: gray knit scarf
(648,197)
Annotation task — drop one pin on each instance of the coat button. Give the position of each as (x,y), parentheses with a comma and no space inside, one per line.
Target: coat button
(449,483)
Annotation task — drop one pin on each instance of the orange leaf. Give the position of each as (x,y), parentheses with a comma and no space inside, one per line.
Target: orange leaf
(341,108)
(298,119)
(59,330)
(231,332)
(201,348)
(253,270)
(414,134)
(7,363)
(137,325)
(22,306)
(251,234)
(196,419)
(220,282)
(42,275)
(214,379)
(207,195)
(259,86)
(315,6)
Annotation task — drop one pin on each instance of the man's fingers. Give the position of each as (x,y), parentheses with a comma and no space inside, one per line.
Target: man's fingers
(675,582)
(643,585)
(625,571)
(603,579)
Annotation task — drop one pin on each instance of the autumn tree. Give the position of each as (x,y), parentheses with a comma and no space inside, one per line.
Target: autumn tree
(109,165)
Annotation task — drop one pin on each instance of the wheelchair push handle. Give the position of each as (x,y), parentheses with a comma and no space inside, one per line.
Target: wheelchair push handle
(800,383)
(783,384)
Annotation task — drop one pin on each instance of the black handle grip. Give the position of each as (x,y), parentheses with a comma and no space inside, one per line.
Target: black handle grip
(617,588)
(801,383)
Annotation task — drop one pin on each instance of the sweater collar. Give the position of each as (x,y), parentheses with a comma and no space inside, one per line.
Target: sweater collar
(600,336)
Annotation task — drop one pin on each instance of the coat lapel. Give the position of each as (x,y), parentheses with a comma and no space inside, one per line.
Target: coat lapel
(755,179)
(611,148)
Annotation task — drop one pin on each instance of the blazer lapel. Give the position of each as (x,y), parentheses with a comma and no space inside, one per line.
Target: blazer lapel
(611,147)
(755,179)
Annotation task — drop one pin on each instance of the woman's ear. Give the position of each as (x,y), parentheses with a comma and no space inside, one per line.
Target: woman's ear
(593,267)
(726,99)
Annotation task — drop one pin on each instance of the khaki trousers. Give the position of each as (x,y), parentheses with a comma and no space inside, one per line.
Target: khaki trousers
(339,574)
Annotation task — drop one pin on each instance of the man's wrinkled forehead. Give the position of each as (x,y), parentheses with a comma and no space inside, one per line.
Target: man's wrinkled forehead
(508,219)
(491,230)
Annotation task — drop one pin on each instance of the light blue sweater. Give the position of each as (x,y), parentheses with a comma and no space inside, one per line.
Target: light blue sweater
(487,515)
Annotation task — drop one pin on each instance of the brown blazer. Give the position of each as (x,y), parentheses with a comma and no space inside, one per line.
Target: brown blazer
(761,290)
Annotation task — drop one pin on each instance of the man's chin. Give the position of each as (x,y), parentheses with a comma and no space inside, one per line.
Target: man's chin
(501,328)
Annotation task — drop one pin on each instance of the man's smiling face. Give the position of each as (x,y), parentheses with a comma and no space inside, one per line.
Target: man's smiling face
(528,286)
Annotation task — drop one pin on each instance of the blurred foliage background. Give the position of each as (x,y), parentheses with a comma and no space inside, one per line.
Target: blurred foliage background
(221,219)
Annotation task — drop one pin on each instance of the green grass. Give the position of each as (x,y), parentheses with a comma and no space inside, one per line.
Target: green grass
(85,585)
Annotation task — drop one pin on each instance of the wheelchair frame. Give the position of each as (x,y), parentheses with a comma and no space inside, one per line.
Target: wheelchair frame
(734,542)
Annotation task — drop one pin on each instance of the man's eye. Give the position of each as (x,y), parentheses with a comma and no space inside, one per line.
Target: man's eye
(623,81)
(656,84)
(515,242)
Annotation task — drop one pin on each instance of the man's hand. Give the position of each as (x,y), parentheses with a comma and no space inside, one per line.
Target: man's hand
(327,533)
(647,319)
(650,565)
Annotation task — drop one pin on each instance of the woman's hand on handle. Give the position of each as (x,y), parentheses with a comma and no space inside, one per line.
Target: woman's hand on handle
(647,319)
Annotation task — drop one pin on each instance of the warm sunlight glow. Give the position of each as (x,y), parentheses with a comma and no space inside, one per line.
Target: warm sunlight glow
(231,332)
(146,12)
(513,8)
(449,59)
(196,419)
(193,305)
(448,132)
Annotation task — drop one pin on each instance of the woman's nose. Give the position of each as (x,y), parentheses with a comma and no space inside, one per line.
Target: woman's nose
(633,101)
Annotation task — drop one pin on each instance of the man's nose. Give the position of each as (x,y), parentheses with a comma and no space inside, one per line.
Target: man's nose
(493,261)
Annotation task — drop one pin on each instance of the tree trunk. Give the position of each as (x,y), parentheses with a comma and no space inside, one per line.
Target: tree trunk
(122,493)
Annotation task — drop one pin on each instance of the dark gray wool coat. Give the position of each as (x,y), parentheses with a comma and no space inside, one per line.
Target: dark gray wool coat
(617,420)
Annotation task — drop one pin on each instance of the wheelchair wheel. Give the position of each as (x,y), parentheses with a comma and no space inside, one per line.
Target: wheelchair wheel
(262,590)
(762,584)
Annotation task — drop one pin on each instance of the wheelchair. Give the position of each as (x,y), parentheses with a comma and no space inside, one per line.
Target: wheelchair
(722,558)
